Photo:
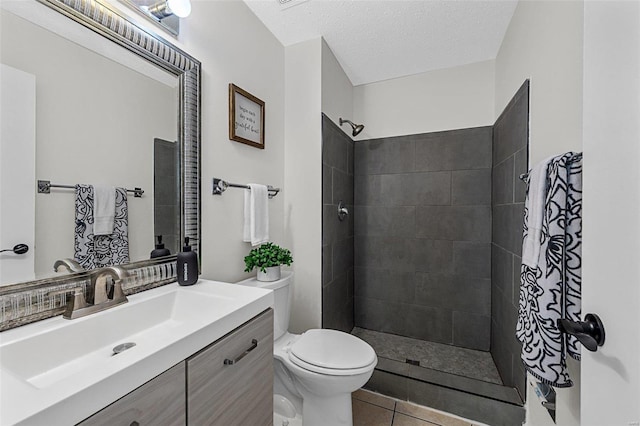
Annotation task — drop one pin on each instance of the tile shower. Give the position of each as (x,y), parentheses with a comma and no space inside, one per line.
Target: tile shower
(430,261)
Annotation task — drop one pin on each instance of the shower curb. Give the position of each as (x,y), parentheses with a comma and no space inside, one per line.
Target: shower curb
(485,402)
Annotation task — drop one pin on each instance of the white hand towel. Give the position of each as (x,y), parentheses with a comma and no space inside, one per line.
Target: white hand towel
(535,205)
(256,214)
(104,209)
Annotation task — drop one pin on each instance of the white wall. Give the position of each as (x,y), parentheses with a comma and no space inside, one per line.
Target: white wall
(337,90)
(544,43)
(235,47)
(96,121)
(303,178)
(17,173)
(445,99)
(611,376)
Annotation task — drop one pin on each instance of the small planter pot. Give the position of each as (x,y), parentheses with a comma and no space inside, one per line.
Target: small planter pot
(272,274)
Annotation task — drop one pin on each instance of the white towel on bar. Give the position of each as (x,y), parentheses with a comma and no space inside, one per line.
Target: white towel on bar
(104,209)
(256,214)
(535,206)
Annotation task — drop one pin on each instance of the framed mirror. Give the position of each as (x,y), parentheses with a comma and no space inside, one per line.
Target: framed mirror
(131,122)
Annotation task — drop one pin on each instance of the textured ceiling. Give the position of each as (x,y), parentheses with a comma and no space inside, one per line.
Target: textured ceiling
(379,40)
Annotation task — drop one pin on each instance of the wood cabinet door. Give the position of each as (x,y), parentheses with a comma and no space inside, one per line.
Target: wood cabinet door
(238,391)
(159,402)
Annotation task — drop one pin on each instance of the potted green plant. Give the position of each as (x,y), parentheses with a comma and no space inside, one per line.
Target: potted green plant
(267,259)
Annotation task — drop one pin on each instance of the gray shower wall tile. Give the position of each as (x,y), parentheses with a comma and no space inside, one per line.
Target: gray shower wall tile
(327,184)
(519,376)
(504,317)
(427,189)
(427,323)
(507,229)
(384,284)
(342,187)
(333,229)
(404,189)
(407,225)
(165,220)
(375,221)
(454,150)
(520,167)
(335,146)
(337,236)
(381,315)
(502,269)
(434,256)
(386,155)
(460,223)
(517,219)
(335,301)
(385,253)
(501,355)
(503,180)
(511,130)
(517,266)
(342,256)
(334,294)
(472,259)
(510,139)
(471,187)
(472,331)
(367,190)
(327,265)
(454,292)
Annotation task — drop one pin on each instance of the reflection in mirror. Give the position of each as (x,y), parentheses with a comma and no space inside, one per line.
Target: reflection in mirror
(95,120)
(159,12)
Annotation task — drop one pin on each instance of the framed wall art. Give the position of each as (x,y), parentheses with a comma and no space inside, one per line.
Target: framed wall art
(246,117)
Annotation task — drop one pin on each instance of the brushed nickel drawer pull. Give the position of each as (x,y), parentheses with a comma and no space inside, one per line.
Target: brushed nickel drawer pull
(254,344)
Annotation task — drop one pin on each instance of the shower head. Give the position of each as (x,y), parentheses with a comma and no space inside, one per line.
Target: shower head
(357,128)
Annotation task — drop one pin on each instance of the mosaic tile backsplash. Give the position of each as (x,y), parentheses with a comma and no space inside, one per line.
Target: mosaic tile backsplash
(23,304)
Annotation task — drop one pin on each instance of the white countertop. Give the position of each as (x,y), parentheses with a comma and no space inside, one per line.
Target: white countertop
(59,372)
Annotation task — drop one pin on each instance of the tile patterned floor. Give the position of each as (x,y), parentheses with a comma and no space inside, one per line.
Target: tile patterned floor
(373,409)
(449,359)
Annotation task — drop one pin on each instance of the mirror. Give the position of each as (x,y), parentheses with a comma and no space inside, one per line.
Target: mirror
(120,110)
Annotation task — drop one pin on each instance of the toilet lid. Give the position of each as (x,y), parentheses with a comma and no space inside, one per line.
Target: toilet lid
(331,349)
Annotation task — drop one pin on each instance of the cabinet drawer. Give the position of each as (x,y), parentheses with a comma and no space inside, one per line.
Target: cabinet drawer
(238,393)
(159,402)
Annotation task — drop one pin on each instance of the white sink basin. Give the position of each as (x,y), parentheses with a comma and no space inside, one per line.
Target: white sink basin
(47,366)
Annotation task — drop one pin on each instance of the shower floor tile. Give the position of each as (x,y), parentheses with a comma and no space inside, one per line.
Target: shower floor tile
(437,356)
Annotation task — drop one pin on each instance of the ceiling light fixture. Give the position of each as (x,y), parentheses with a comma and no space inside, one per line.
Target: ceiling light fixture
(162,9)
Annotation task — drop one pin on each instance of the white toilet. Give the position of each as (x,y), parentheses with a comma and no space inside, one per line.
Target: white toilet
(316,371)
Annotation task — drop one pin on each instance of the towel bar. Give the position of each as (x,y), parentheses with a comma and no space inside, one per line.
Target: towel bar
(44,187)
(219,186)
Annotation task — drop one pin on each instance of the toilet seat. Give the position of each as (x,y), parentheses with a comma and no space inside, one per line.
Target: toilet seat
(332,353)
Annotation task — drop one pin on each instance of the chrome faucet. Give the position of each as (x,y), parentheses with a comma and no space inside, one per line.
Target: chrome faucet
(69,264)
(78,306)
(99,284)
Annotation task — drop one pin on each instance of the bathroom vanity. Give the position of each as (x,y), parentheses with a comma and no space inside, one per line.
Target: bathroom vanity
(203,355)
(228,382)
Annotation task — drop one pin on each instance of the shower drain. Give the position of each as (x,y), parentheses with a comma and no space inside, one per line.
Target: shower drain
(412,361)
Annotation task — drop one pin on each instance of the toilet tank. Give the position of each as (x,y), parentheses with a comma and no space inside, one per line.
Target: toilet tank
(282,295)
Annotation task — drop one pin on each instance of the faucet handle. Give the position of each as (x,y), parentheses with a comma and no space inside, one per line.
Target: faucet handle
(74,303)
(118,293)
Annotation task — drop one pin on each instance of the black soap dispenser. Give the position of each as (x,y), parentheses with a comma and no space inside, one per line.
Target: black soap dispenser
(187,265)
(160,251)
